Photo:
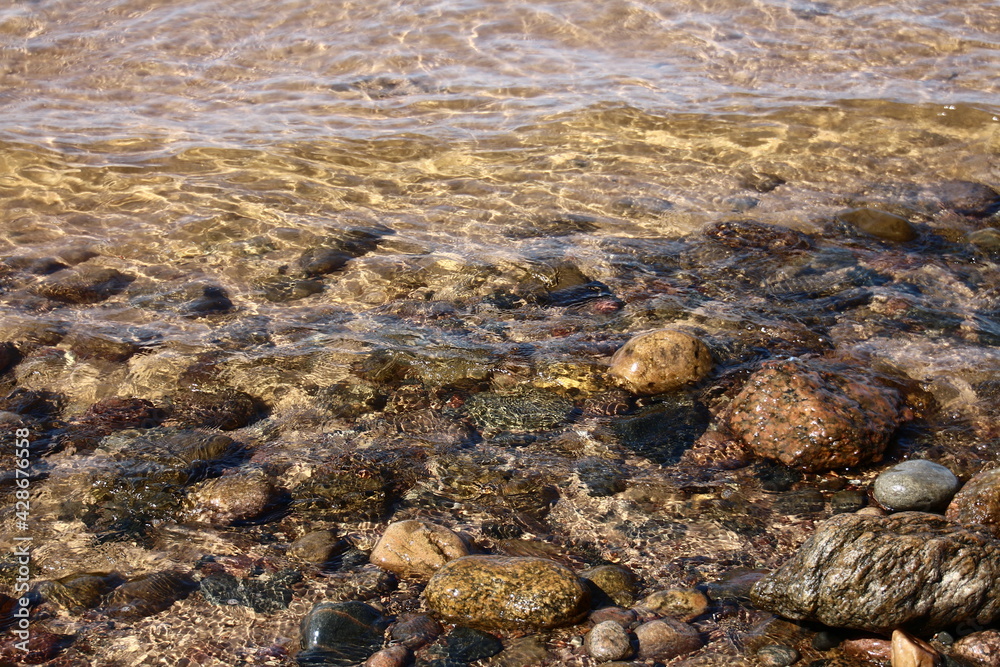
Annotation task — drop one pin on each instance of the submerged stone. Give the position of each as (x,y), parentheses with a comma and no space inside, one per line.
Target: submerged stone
(340,634)
(417,548)
(661,361)
(149,594)
(908,570)
(86,285)
(815,415)
(518,411)
(462,646)
(663,431)
(264,596)
(226,410)
(611,585)
(77,592)
(880,224)
(507,592)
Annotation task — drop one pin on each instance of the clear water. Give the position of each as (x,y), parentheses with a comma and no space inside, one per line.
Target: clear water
(196,142)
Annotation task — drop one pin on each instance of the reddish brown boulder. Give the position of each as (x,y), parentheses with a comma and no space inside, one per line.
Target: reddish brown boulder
(977,504)
(816,415)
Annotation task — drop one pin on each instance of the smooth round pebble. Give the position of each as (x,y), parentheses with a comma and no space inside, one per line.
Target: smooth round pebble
(417,549)
(916,485)
(660,361)
(777,655)
(318,546)
(880,224)
(393,656)
(666,638)
(608,641)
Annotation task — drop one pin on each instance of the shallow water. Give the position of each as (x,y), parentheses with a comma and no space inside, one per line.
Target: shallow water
(534,180)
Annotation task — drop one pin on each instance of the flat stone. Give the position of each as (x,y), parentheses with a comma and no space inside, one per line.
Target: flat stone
(661,361)
(507,592)
(917,485)
(417,549)
(880,224)
(977,504)
(608,641)
(666,638)
(684,604)
(815,415)
(873,573)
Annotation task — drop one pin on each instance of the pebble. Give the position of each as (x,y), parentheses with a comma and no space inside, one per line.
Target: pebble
(507,592)
(393,656)
(868,649)
(661,361)
(464,645)
(521,652)
(848,500)
(608,641)
(417,549)
(981,649)
(623,617)
(415,630)
(84,285)
(916,485)
(149,594)
(977,504)
(611,584)
(226,410)
(684,604)
(777,655)
(349,631)
(666,638)
(909,651)
(318,547)
(851,414)
(880,224)
(264,596)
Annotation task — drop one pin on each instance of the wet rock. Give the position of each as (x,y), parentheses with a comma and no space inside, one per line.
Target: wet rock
(761,181)
(149,594)
(231,498)
(417,548)
(918,485)
(506,592)
(40,266)
(462,646)
(339,249)
(847,500)
(664,431)
(340,633)
(608,641)
(611,585)
(84,285)
(977,504)
(868,649)
(226,410)
(392,656)
(8,356)
(347,490)
(318,547)
(107,416)
(518,411)
(777,655)
(880,224)
(212,300)
(521,652)
(966,198)
(815,415)
(89,345)
(909,651)
(872,573)
(42,646)
(602,478)
(981,649)
(415,630)
(265,596)
(684,604)
(661,361)
(282,290)
(666,638)
(78,592)
(623,617)
(742,234)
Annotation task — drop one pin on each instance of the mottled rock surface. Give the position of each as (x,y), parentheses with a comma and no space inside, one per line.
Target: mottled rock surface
(977,504)
(684,604)
(919,485)
(880,224)
(608,641)
(815,415)
(417,548)
(666,638)
(981,649)
(507,592)
(611,584)
(908,570)
(659,361)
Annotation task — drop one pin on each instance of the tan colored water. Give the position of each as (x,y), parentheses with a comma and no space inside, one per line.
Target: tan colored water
(212,142)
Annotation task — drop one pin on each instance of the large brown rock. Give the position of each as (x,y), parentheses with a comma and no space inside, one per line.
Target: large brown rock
(659,361)
(977,504)
(878,573)
(504,592)
(815,415)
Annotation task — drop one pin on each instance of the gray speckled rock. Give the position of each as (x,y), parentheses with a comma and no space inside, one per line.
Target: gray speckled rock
(879,573)
(502,592)
(918,485)
(608,641)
